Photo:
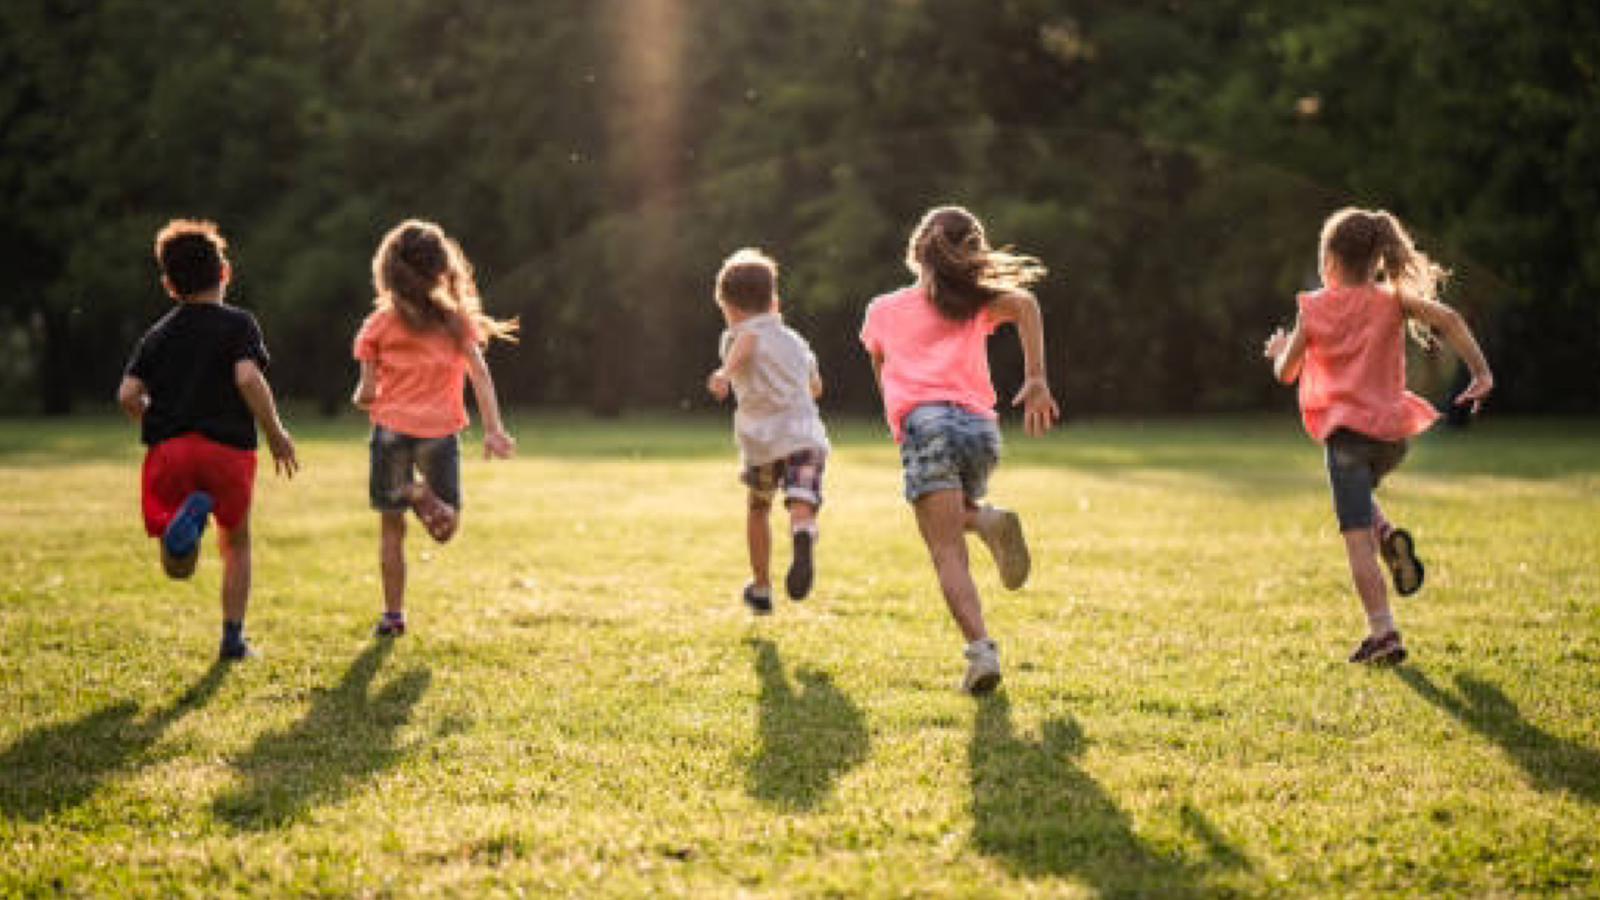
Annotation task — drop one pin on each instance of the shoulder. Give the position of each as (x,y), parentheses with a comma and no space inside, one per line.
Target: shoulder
(892,301)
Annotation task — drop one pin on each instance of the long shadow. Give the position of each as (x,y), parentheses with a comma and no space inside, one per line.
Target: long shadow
(809,737)
(60,766)
(1551,763)
(348,735)
(1035,809)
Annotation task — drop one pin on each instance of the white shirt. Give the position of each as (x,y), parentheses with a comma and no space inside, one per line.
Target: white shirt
(777,415)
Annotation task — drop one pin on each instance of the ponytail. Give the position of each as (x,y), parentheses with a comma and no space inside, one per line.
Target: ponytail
(964,273)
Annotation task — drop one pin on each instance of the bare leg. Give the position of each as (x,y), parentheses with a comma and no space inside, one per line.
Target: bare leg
(942,518)
(392,561)
(236,566)
(1362,549)
(758,532)
(1380,524)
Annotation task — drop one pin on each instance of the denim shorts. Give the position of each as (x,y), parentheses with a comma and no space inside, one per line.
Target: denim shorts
(396,456)
(945,447)
(1356,463)
(800,474)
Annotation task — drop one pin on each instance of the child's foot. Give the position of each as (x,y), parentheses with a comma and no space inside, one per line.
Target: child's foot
(182,537)
(983,667)
(1400,555)
(390,625)
(1380,650)
(236,650)
(437,516)
(758,599)
(1001,531)
(801,573)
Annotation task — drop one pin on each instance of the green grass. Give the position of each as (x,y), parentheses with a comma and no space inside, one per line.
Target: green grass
(583,706)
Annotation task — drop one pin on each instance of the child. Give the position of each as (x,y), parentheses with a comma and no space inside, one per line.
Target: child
(927,343)
(415,349)
(196,388)
(1348,351)
(781,439)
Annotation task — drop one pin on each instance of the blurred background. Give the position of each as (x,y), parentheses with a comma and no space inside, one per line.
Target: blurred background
(1171,162)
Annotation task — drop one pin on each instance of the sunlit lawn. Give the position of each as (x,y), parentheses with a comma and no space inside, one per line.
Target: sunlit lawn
(583,706)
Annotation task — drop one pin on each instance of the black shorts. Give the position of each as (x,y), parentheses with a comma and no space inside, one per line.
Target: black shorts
(1356,463)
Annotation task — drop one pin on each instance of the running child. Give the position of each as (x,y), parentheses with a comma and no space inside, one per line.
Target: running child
(416,350)
(773,375)
(1347,349)
(928,348)
(196,388)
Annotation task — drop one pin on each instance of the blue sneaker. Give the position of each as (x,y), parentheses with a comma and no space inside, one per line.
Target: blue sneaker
(182,536)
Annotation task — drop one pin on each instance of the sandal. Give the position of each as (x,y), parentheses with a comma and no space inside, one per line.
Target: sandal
(1399,554)
(437,516)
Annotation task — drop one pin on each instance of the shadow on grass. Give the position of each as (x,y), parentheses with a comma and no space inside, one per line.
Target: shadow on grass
(809,737)
(1551,763)
(1033,808)
(58,767)
(348,735)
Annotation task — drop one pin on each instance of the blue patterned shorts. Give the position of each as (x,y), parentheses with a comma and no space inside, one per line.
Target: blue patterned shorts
(800,473)
(946,448)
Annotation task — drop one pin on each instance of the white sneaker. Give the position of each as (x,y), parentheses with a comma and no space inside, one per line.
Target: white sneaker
(1001,531)
(983,667)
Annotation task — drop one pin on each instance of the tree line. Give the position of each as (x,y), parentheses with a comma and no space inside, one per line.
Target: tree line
(1169,161)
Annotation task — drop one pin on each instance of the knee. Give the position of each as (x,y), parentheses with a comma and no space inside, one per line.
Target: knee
(760,504)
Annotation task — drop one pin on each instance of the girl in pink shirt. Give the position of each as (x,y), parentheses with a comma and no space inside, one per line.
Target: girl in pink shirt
(417,349)
(1348,351)
(928,349)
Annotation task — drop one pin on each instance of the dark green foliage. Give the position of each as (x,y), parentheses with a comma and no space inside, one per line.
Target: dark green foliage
(1170,162)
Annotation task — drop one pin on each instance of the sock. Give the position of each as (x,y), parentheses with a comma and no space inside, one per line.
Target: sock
(806,528)
(1381,623)
(395,616)
(232,632)
(761,591)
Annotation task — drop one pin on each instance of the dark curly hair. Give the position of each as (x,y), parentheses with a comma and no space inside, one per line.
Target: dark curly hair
(191,254)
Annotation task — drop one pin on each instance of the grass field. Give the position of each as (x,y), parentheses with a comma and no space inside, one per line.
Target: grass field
(584,707)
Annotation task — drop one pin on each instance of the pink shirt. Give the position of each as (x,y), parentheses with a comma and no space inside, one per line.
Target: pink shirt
(928,358)
(1355,365)
(420,376)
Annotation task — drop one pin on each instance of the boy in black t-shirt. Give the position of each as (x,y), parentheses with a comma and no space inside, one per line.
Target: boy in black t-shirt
(196,388)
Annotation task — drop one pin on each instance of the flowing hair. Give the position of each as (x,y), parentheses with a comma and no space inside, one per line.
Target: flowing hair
(1369,243)
(964,273)
(421,274)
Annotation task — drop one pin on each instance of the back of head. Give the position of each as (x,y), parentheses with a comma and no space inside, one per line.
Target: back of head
(1367,244)
(190,253)
(748,281)
(424,276)
(964,274)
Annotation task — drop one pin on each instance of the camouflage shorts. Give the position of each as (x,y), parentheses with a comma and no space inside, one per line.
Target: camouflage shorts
(946,447)
(800,474)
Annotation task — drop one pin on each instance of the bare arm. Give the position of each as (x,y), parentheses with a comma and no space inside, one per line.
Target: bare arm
(1287,350)
(1039,409)
(257,395)
(721,378)
(132,397)
(1453,327)
(367,388)
(496,442)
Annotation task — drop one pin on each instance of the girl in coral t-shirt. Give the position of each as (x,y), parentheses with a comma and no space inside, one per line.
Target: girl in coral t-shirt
(417,349)
(1348,351)
(928,348)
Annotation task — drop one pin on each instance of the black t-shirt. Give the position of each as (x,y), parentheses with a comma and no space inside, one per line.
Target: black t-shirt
(186,362)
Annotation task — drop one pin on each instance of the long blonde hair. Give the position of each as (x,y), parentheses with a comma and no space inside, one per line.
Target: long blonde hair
(964,273)
(420,273)
(1368,243)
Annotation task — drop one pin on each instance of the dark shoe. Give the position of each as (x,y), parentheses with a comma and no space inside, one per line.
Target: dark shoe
(1383,650)
(182,537)
(801,574)
(390,626)
(760,604)
(237,651)
(1399,554)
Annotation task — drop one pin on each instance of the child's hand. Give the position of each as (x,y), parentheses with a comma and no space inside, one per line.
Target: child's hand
(1475,392)
(499,445)
(718,384)
(1276,344)
(1039,409)
(284,460)
(364,396)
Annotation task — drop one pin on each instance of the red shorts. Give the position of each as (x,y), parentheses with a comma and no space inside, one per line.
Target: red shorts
(176,468)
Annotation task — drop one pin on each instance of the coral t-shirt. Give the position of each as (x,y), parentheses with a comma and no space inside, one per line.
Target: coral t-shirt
(1354,375)
(928,358)
(420,376)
